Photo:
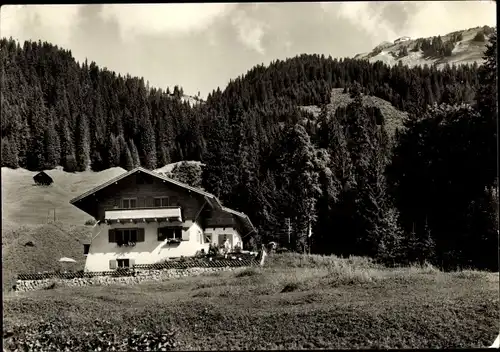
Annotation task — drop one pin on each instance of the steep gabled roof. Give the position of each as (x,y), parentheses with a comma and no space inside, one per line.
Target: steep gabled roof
(42,174)
(208,196)
(146,171)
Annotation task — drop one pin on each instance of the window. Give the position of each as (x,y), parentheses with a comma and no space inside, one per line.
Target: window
(86,248)
(128,203)
(169,233)
(123,263)
(126,236)
(160,202)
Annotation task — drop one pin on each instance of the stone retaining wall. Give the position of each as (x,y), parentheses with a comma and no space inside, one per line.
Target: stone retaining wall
(140,276)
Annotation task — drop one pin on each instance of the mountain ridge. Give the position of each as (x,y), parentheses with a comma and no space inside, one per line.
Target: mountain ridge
(467,47)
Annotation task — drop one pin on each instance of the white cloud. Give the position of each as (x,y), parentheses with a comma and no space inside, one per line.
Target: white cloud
(164,18)
(430,18)
(363,16)
(250,30)
(425,18)
(54,20)
(59,20)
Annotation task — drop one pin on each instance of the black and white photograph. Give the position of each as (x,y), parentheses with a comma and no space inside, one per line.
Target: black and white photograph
(249,176)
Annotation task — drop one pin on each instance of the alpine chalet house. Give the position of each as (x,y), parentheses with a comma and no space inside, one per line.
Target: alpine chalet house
(144,217)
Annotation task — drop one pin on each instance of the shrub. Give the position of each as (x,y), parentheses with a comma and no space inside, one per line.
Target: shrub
(248,272)
(51,336)
(479,37)
(290,287)
(51,286)
(213,250)
(70,164)
(90,222)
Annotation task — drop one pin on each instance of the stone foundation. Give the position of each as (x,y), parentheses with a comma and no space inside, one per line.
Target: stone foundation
(140,276)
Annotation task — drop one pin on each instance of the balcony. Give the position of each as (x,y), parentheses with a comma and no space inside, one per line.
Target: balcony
(143,214)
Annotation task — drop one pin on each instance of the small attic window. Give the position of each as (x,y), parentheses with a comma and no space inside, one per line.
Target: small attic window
(142,179)
(86,248)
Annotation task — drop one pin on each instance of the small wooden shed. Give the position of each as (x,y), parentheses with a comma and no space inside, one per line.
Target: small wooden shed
(43,179)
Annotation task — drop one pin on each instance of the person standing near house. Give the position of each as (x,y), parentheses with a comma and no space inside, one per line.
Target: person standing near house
(227,246)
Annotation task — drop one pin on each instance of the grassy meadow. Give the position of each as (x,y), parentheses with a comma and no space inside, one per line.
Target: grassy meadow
(294,302)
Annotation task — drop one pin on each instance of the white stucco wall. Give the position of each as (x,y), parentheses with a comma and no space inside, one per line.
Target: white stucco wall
(148,252)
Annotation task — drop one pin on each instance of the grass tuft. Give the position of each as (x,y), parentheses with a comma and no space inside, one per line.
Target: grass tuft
(291,287)
(248,272)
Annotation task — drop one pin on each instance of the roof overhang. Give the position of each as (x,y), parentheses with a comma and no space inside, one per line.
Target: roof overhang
(212,200)
(139,170)
(242,217)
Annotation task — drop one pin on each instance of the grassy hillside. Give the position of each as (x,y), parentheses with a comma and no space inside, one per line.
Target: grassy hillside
(27,216)
(27,204)
(294,302)
(394,118)
(34,248)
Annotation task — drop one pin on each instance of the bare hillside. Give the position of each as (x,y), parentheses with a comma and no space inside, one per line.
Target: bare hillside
(465,51)
(394,118)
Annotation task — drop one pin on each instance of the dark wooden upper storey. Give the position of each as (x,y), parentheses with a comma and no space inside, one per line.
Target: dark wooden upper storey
(141,188)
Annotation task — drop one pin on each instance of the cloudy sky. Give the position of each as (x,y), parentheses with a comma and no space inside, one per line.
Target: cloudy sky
(202,46)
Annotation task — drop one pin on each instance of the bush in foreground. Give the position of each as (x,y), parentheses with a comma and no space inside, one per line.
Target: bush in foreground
(54,336)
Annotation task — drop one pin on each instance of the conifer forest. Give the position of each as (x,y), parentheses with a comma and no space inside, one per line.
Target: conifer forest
(425,192)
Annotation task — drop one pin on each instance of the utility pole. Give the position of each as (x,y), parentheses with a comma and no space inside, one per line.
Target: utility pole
(289,230)
(309,234)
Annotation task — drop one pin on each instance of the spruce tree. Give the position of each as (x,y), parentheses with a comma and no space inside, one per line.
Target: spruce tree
(52,143)
(114,151)
(136,162)
(82,144)
(37,120)
(148,141)
(9,157)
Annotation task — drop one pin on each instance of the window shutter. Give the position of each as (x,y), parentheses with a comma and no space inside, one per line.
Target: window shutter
(172,201)
(117,202)
(140,235)
(141,202)
(185,235)
(112,235)
(112,264)
(156,202)
(161,234)
(149,202)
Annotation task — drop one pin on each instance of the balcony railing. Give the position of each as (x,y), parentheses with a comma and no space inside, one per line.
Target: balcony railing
(168,213)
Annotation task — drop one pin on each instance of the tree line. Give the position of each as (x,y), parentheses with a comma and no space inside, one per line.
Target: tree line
(427,194)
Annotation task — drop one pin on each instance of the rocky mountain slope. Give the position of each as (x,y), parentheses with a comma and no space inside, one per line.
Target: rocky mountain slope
(460,47)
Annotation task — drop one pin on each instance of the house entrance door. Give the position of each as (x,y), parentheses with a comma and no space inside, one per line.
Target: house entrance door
(222,239)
